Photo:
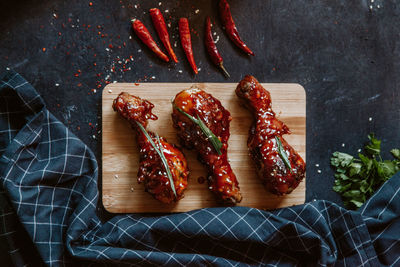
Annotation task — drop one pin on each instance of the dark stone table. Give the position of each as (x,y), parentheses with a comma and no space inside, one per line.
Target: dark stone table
(344,53)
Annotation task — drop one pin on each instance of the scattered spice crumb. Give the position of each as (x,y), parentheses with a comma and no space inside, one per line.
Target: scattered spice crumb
(44,49)
(90,4)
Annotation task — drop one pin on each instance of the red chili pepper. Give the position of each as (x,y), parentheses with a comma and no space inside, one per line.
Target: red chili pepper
(212,48)
(161,28)
(186,42)
(144,35)
(230,26)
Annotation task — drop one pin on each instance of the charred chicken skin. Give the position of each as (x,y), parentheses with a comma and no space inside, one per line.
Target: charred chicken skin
(151,169)
(203,106)
(263,142)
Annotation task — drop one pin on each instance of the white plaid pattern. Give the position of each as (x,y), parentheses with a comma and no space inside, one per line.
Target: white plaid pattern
(50,178)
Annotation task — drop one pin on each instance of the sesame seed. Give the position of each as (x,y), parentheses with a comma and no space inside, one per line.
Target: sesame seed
(116,176)
(359,150)
(110,91)
(132,189)
(159,3)
(370,119)
(180,71)
(343,145)
(197,11)
(317,165)
(57,84)
(319,171)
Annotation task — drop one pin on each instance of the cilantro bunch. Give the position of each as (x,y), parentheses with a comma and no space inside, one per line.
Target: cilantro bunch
(358,178)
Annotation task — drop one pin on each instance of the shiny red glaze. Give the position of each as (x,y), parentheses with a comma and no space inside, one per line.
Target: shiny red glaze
(221,179)
(186,42)
(230,27)
(161,28)
(274,174)
(145,36)
(151,169)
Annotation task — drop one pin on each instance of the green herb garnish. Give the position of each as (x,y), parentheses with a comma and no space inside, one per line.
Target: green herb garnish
(282,153)
(214,140)
(357,179)
(160,153)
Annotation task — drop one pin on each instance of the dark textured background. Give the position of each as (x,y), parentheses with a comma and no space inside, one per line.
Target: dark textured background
(344,53)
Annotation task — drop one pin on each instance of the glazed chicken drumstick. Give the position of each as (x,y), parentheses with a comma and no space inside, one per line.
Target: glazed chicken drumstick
(152,169)
(279,166)
(195,112)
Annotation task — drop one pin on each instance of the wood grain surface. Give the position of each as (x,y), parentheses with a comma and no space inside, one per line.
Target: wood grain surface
(120,156)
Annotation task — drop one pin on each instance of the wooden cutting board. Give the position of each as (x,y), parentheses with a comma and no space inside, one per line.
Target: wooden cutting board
(120,156)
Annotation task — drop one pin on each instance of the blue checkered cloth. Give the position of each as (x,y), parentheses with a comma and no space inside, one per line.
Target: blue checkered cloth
(49,194)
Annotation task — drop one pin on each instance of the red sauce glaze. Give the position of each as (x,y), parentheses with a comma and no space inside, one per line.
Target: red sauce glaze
(274,174)
(221,179)
(151,169)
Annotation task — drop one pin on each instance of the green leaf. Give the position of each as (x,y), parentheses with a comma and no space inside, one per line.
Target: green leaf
(373,148)
(357,179)
(357,203)
(396,153)
(355,168)
(160,152)
(341,159)
(214,140)
(282,153)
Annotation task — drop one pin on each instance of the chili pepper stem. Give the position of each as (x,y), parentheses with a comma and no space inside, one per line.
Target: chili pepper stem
(221,65)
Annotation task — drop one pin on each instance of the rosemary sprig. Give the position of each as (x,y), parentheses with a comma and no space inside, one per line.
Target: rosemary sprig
(282,153)
(214,140)
(160,153)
